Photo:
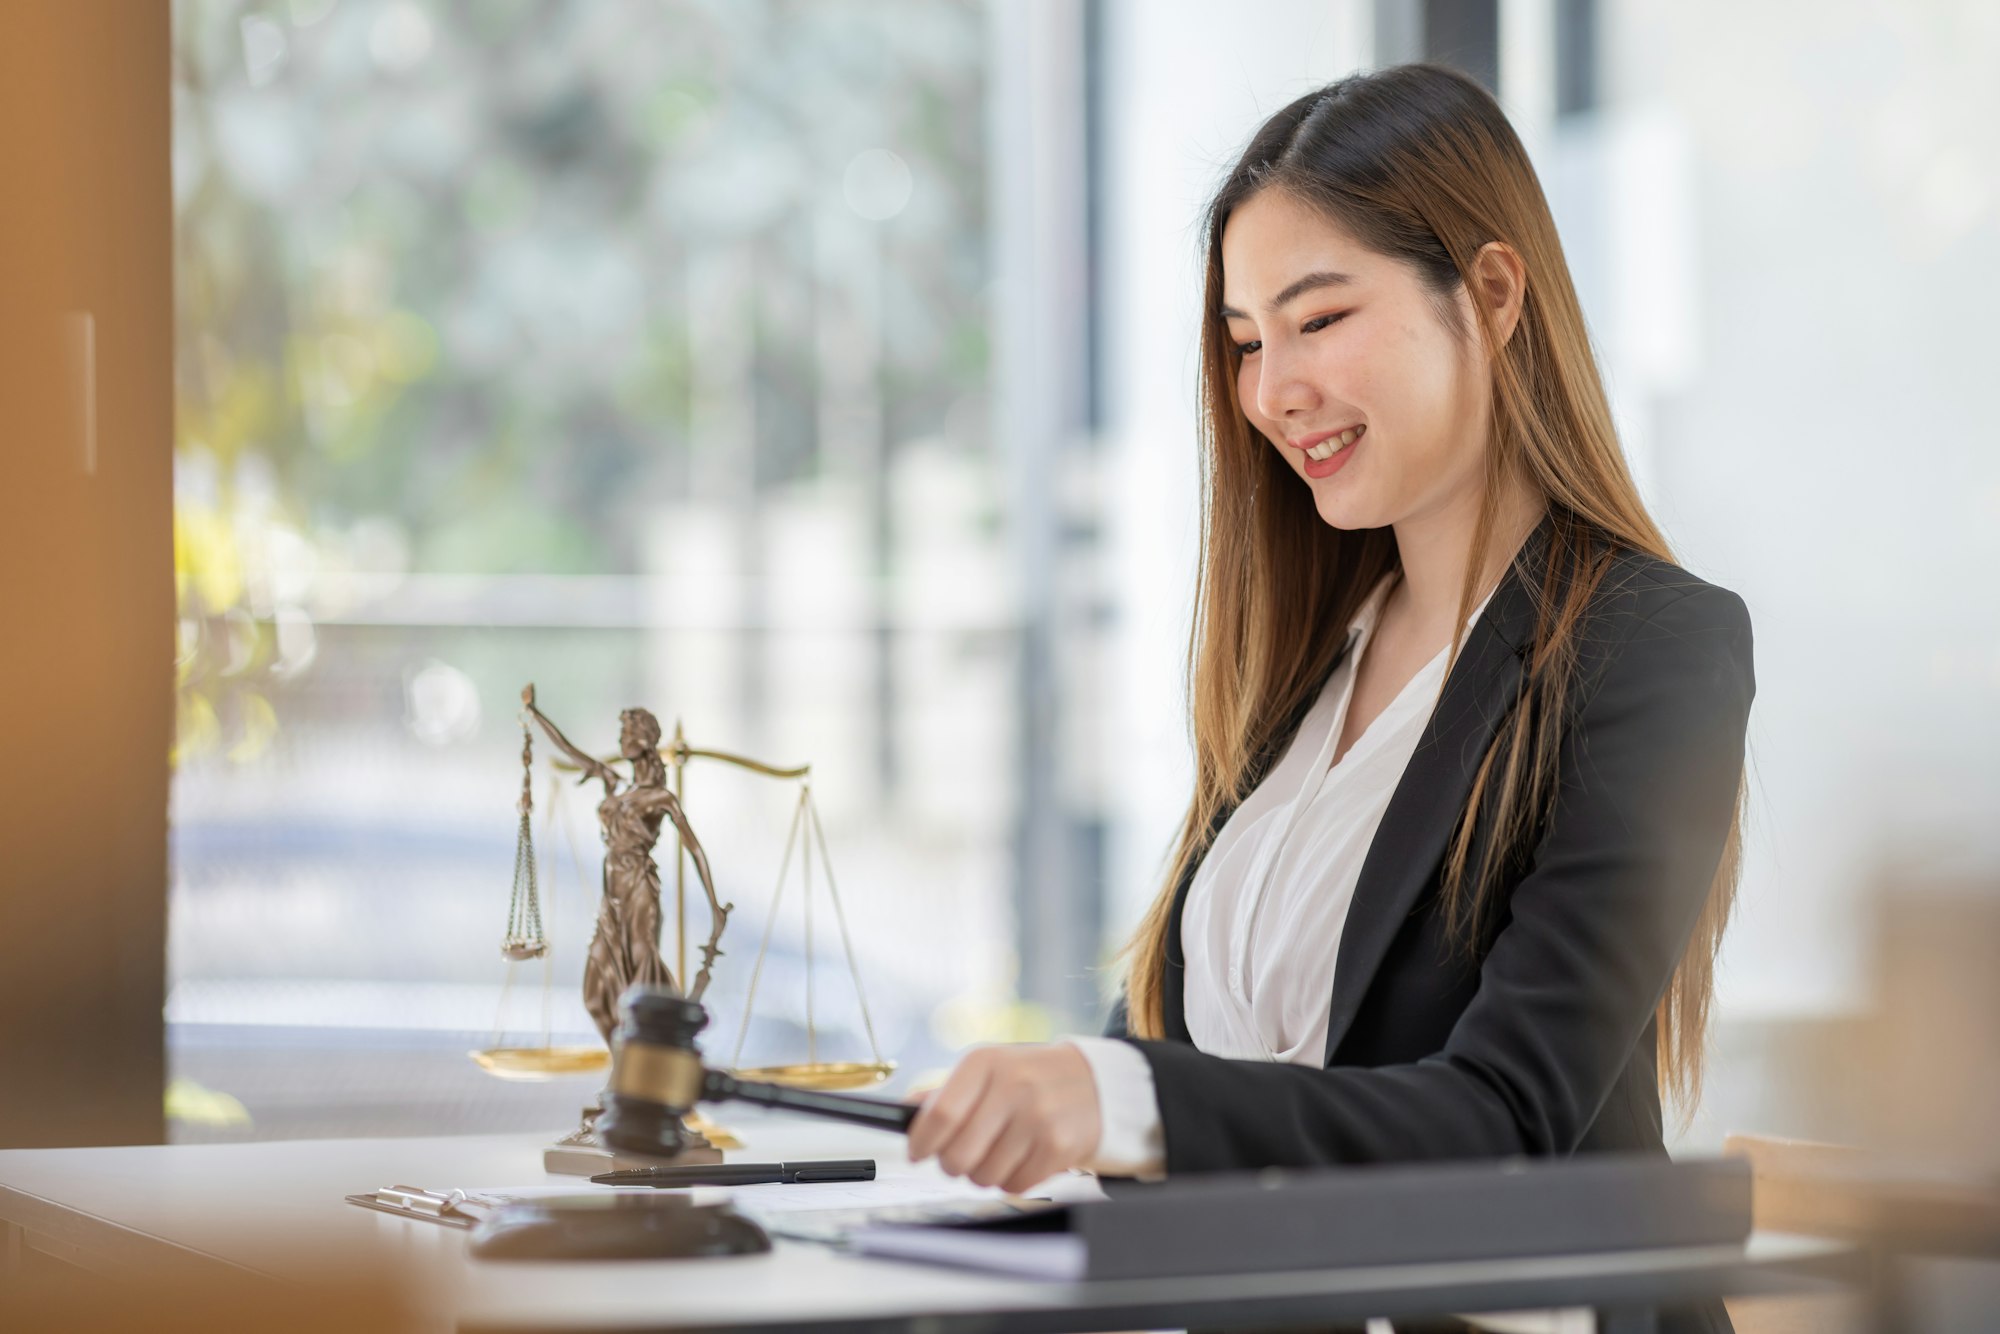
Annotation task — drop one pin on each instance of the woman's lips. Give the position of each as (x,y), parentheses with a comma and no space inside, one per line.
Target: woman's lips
(1326,442)
(1328,454)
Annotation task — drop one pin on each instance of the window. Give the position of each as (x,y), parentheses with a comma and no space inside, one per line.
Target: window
(636,351)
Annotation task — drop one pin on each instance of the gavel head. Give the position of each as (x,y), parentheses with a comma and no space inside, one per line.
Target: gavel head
(656,1074)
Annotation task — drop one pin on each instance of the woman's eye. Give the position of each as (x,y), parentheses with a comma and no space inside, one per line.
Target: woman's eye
(1310,326)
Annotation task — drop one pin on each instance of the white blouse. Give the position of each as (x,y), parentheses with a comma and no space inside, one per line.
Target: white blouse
(1261,926)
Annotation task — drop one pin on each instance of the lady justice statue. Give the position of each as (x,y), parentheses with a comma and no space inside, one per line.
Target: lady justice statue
(625,946)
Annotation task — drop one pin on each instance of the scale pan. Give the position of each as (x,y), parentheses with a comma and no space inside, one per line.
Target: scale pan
(824,1076)
(538,1063)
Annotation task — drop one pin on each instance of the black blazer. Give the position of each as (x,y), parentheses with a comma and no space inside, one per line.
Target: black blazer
(1544,1046)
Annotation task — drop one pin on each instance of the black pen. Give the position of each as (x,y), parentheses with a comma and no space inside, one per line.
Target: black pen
(743,1174)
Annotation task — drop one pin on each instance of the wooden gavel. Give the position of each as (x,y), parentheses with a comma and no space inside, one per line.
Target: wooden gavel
(657,1077)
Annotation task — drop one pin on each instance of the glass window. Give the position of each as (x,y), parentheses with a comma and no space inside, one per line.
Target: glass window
(637,351)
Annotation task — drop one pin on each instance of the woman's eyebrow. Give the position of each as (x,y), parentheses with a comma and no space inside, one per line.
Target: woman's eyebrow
(1310,283)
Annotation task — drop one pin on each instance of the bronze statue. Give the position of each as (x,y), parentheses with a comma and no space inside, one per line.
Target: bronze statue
(625,946)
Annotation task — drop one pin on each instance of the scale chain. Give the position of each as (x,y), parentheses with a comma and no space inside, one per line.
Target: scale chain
(777,896)
(840,916)
(525,939)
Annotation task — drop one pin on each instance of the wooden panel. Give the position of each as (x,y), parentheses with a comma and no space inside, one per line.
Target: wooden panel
(1798,1186)
(86,542)
(1802,1185)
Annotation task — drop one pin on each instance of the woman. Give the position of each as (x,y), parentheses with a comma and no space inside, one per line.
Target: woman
(1469,746)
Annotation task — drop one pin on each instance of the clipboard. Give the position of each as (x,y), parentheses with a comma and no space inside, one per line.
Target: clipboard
(452,1208)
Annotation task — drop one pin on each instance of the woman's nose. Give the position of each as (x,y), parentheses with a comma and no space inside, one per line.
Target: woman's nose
(1281,386)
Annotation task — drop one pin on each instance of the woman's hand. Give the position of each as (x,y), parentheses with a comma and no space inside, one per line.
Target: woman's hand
(1011,1116)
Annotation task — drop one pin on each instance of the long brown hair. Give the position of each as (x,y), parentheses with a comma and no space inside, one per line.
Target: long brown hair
(1419,163)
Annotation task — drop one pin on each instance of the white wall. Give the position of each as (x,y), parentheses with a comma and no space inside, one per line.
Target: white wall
(1830,453)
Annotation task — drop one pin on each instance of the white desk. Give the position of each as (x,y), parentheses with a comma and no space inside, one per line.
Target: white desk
(277,1209)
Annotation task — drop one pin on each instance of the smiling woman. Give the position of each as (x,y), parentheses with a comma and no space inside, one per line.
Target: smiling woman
(1338,349)
(1469,745)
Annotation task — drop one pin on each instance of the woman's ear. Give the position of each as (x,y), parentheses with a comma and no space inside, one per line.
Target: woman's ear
(1500,283)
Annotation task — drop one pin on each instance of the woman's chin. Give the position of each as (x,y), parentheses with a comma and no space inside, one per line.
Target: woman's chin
(1340,512)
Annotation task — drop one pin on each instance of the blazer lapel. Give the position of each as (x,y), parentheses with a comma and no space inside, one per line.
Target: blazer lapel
(1409,845)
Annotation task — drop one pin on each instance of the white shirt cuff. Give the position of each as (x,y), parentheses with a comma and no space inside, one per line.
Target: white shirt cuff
(1131,1142)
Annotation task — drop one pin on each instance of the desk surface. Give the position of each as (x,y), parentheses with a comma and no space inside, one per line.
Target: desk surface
(276,1208)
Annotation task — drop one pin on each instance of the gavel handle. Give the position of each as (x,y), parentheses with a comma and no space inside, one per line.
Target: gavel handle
(878,1113)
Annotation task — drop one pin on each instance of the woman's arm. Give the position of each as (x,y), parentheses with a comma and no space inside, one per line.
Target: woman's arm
(659,800)
(1594,932)
(1128,1110)
(592,766)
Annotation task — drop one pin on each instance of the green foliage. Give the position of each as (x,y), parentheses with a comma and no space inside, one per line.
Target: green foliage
(434,254)
(435,266)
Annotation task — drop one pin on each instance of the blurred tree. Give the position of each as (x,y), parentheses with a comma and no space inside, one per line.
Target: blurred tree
(433,275)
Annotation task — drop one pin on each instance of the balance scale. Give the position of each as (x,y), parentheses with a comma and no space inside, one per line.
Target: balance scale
(526,939)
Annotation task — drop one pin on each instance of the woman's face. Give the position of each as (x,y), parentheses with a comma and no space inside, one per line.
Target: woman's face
(1335,337)
(629,743)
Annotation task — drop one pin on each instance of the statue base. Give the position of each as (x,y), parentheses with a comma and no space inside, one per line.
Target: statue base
(581,1154)
(589,1160)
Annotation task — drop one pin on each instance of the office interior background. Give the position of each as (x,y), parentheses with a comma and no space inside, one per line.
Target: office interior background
(821,377)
